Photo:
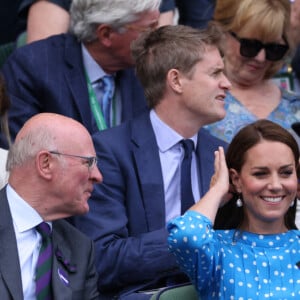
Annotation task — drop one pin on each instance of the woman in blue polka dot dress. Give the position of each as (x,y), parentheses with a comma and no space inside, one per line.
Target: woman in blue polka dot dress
(253,250)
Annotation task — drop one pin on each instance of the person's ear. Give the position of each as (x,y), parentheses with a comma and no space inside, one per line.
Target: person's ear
(104,33)
(235,179)
(44,164)
(174,80)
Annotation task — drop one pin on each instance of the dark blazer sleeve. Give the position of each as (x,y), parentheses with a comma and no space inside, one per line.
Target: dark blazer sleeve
(128,230)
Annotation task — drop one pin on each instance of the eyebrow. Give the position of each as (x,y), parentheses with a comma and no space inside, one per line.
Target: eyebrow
(266,168)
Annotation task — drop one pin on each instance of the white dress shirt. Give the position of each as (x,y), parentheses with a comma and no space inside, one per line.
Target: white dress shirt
(171,154)
(25,218)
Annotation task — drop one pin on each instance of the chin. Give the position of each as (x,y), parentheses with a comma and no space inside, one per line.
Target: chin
(219,117)
(84,209)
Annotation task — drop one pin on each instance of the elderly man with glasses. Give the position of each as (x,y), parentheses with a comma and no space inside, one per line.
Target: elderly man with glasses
(51,177)
(86,74)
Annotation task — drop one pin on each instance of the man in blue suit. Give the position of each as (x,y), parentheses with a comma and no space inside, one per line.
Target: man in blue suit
(63,74)
(181,71)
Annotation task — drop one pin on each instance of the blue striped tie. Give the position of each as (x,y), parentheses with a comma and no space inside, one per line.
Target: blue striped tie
(108,92)
(44,264)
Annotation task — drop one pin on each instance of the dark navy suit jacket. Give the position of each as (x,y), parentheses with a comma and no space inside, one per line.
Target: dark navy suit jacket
(48,76)
(127,211)
(71,248)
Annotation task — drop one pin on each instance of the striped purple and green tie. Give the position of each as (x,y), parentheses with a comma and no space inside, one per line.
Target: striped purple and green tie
(44,264)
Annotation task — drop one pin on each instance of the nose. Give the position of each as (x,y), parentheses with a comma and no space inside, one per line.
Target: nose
(96,175)
(225,83)
(261,55)
(275,183)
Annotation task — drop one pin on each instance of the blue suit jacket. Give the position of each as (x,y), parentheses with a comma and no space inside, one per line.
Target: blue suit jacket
(69,245)
(48,76)
(127,211)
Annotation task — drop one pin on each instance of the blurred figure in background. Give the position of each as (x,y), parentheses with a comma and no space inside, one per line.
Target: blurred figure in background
(86,74)
(49,17)
(4,105)
(43,18)
(257,43)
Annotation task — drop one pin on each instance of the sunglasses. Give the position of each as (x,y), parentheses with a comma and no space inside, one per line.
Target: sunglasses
(251,47)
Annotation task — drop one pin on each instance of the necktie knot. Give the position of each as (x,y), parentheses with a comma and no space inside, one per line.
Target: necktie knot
(108,84)
(44,229)
(188,146)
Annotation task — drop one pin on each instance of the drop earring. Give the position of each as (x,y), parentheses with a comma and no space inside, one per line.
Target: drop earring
(292,203)
(239,202)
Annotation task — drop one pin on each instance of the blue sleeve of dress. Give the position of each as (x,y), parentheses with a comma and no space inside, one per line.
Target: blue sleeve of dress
(196,247)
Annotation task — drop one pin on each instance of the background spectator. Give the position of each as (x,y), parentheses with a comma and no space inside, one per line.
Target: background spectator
(4,105)
(69,70)
(257,43)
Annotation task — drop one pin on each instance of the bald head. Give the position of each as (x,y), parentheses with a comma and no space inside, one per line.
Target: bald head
(54,123)
(46,131)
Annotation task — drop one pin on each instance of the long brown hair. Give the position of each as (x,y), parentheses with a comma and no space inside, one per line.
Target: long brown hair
(230,216)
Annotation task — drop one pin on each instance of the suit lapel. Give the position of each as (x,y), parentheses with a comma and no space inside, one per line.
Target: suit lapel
(9,260)
(145,151)
(60,276)
(76,81)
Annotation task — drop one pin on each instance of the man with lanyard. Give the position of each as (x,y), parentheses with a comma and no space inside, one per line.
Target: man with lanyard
(65,73)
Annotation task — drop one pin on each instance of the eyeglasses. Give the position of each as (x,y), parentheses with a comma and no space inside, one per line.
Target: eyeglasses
(91,161)
(251,47)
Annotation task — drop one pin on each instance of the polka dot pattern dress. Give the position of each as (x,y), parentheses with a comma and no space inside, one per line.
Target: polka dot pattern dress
(236,265)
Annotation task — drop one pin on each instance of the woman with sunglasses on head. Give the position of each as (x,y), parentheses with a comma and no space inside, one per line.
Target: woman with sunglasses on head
(256,46)
(253,250)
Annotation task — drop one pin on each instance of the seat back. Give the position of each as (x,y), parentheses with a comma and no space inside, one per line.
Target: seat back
(179,292)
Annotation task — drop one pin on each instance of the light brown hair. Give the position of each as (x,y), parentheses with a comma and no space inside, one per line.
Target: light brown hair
(268,18)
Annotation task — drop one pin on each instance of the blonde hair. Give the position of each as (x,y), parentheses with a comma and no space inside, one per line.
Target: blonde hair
(268,18)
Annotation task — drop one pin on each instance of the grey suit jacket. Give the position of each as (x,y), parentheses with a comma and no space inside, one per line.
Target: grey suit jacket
(73,276)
